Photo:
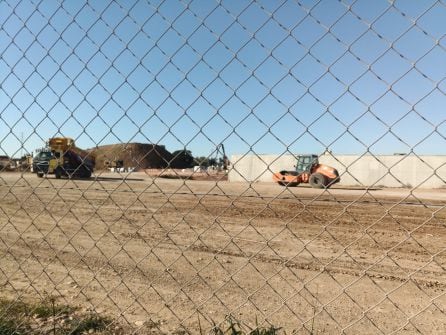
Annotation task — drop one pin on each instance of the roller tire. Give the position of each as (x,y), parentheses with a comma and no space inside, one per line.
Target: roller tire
(318,180)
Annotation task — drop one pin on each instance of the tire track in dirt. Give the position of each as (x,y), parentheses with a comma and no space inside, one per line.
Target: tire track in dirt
(367,221)
(71,260)
(424,278)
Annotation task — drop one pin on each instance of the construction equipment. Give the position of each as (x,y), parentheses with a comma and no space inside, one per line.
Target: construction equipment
(308,170)
(221,159)
(26,163)
(5,162)
(115,165)
(63,159)
(41,161)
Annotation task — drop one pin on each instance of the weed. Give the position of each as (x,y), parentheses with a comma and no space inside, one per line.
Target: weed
(312,320)
(13,307)
(48,317)
(235,328)
(90,323)
(17,318)
(264,331)
(9,327)
(11,317)
(216,330)
(48,308)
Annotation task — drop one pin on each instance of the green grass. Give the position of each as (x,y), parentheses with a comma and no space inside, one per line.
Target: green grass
(52,318)
(20,318)
(234,327)
(48,308)
(12,317)
(9,327)
(94,322)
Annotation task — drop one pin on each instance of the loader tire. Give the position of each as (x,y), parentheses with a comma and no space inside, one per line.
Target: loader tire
(318,180)
(58,173)
(86,174)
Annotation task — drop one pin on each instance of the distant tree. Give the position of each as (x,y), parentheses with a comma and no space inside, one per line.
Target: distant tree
(212,162)
(201,161)
(182,159)
(205,161)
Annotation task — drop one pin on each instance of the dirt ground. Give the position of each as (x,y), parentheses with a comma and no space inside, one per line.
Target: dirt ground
(171,254)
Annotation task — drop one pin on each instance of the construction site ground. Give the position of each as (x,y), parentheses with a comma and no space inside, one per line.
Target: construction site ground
(187,174)
(162,252)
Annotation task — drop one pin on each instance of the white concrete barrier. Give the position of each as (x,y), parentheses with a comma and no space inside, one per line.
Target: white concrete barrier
(366,170)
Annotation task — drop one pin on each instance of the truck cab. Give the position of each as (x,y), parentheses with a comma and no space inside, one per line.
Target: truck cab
(41,162)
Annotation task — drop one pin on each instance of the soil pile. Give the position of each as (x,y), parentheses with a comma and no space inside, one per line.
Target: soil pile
(139,156)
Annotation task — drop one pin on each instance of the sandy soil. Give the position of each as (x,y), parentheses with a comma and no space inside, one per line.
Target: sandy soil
(184,254)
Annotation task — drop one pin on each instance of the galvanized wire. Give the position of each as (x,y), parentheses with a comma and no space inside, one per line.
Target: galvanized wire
(155,255)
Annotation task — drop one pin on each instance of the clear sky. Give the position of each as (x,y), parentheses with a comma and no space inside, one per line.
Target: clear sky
(259,76)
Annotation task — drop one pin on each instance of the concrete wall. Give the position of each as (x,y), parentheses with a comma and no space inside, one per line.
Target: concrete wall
(366,170)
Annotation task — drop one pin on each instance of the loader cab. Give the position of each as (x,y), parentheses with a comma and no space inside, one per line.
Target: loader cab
(305,162)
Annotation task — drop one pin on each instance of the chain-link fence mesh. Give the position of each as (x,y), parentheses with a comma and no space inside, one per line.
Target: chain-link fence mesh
(185,110)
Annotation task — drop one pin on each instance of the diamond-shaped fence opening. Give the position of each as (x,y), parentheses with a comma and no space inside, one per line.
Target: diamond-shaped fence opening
(246,167)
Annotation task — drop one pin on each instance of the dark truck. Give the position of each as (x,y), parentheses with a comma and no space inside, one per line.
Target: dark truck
(41,162)
(71,163)
(63,159)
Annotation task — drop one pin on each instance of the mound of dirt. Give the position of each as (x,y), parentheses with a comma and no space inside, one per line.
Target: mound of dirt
(139,156)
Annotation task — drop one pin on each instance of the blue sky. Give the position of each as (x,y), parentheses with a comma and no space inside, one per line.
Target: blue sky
(259,76)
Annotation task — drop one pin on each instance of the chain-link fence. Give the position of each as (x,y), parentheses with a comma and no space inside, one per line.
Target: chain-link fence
(168,220)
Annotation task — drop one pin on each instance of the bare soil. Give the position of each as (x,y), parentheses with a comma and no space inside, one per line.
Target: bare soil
(184,254)
(187,174)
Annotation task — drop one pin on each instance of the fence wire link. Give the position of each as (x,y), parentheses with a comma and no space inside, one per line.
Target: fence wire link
(161,247)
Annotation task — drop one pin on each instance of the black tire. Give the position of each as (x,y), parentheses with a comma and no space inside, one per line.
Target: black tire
(58,173)
(40,174)
(83,172)
(333,181)
(318,180)
(86,174)
(336,179)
